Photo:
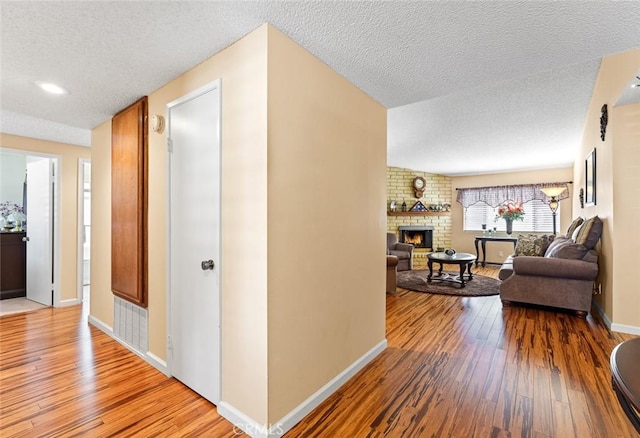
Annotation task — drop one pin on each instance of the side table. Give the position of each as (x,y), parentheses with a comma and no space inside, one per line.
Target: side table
(483,241)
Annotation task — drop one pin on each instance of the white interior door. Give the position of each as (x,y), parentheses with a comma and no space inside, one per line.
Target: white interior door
(39,230)
(194,162)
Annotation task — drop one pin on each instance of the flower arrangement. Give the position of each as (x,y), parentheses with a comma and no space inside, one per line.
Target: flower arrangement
(8,208)
(11,214)
(511,211)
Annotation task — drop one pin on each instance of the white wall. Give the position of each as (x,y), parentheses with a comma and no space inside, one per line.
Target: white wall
(13,168)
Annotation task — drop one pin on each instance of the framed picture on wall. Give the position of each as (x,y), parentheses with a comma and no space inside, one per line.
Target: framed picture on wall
(590,179)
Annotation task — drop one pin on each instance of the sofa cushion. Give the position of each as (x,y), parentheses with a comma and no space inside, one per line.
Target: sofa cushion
(567,250)
(575,224)
(557,241)
(590,232)
(532,245)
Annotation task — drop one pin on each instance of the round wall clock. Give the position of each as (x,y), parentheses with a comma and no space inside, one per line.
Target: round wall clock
(418,186)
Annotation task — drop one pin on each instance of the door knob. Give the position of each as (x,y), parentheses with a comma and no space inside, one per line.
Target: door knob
(207,264)
(25,239)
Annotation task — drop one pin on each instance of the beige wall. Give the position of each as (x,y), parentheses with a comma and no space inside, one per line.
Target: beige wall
(69,157)
(615,73)
(101,304)
(463,241)
(327,148)
(292,311)
(626,211)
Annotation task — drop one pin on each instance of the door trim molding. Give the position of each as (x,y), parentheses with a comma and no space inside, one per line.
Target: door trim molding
(80,219)
(56,161)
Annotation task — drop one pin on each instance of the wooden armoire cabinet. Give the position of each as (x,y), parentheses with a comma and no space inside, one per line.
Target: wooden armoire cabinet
(129,203)
(13,265)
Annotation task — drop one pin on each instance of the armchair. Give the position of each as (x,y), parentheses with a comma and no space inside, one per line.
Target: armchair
(404,252)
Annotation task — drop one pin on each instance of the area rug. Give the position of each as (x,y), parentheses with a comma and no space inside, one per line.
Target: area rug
(416,280)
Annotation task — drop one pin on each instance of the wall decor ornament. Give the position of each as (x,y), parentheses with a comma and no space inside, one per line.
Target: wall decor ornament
(419,206)
(590,178)
(604,119)
(581,197)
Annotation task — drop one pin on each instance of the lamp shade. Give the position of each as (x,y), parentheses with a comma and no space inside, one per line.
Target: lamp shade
(552,192)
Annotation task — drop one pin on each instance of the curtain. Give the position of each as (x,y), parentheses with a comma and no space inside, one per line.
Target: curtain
(498,195)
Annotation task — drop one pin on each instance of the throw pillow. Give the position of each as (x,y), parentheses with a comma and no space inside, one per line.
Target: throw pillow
(589,233)
(568,250)
(575,233)
(556,242)
(575,224)
(532,245)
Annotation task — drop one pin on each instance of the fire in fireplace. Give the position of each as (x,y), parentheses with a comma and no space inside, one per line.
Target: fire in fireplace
(420,236)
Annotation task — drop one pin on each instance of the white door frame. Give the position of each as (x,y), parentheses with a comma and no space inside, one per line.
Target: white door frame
(57,165)
(80,287)
(217,335)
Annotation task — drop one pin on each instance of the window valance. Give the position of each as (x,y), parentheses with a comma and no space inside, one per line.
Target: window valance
(498,195)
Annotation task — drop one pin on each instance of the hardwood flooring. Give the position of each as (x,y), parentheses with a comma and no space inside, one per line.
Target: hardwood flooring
(455,367)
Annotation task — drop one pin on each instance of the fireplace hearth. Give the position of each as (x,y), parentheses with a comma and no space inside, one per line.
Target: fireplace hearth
(420,236)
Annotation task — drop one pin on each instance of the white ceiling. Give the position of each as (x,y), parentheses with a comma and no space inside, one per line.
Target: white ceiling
(472,87)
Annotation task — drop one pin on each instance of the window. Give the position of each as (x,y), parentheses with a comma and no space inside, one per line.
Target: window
(537,218)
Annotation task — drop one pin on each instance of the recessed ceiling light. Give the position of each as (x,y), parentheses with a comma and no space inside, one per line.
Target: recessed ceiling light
(51,88)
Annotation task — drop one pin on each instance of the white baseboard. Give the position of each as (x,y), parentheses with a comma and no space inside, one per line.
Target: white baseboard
(158,363)
(71,302)
(245,424)
(100,325)
(623,328)
(620,328)
(149,357)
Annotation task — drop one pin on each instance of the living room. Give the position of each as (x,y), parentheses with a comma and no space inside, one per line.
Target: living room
(281,325)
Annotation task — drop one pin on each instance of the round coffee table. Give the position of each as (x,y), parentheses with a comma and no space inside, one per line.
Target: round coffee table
(462,259)
(626,379)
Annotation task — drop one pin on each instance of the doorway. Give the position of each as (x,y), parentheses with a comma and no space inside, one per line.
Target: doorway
(193,123)
(39,199)
(84,231)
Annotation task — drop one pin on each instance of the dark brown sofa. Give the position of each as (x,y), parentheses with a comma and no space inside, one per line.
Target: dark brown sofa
(562,276)
(392,264)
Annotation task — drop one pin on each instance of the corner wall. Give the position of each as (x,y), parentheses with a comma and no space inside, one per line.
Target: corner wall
(615,73)
(70,155)
(299,143)
(625,130)
(327,148)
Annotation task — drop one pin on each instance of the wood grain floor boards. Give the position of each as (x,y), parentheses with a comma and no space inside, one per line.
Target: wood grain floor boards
(455,367)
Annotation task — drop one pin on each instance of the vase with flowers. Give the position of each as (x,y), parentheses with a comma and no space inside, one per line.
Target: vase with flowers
(510,211)
(12,216)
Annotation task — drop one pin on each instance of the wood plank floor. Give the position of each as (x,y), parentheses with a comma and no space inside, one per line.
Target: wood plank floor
(455,367)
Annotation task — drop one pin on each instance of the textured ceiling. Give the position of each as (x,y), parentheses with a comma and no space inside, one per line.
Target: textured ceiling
(468,83)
